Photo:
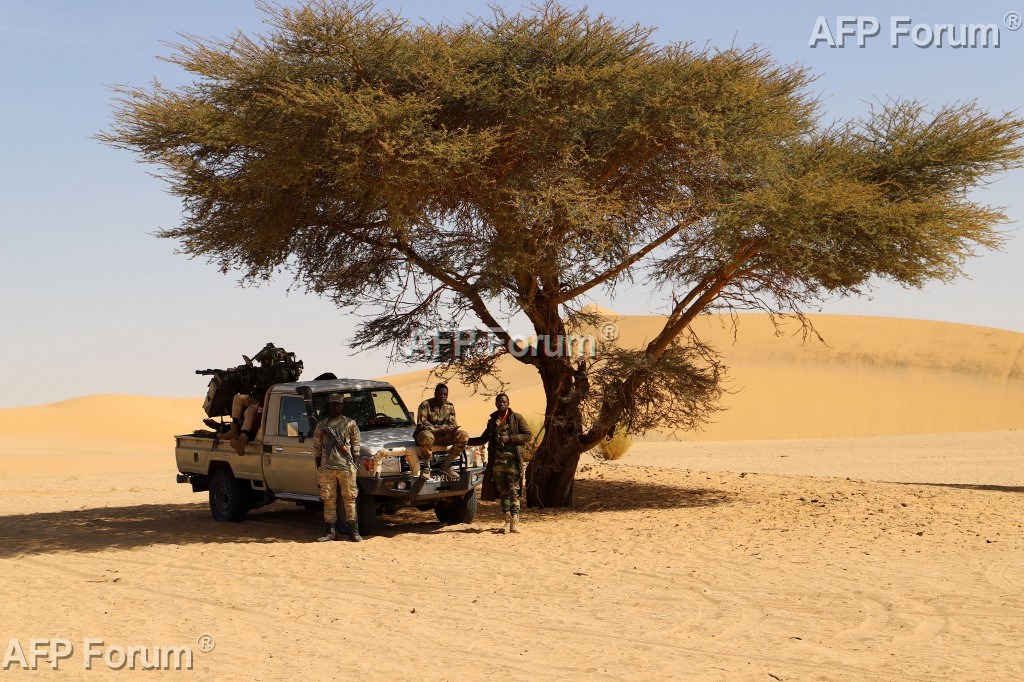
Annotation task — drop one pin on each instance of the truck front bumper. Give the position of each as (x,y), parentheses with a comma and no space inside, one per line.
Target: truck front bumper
(436,487)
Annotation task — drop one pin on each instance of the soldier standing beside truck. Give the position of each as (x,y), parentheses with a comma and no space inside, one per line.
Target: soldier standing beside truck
(335,448)
(506,434)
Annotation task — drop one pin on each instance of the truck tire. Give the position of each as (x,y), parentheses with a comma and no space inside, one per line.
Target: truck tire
(229,497)
(461,510)
(366,512)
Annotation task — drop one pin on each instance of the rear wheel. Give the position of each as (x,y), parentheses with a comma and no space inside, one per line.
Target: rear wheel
(366,512)
(229,497)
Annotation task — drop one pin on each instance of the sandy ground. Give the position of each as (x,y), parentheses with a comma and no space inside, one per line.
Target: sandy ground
(807,534)
(658,573)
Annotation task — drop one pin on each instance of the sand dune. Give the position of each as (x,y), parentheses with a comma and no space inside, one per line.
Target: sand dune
(875,376)
(118,422)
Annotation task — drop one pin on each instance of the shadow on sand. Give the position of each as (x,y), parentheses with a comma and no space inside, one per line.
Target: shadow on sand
(970,486)
(127,527)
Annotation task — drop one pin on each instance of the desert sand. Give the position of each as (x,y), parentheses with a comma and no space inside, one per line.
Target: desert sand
(872,376)
(787,548)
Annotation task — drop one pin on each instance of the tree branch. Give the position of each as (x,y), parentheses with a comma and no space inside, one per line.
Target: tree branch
(466,289)
(618,269)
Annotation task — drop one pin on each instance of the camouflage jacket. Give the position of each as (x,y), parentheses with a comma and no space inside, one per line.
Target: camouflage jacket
(442,417)
(324,448)
(511,424)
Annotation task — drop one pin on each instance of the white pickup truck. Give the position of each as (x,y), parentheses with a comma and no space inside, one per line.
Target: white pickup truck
(278,464)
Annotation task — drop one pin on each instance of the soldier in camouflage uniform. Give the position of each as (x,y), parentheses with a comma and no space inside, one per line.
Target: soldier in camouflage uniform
(506,434)
(276,366)
(436,425)
(336,468)
(245,420)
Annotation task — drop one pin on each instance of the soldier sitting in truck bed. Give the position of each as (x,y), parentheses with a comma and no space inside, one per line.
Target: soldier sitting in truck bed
(276,365)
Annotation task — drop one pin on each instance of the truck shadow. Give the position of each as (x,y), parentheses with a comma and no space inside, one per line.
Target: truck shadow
(127,527)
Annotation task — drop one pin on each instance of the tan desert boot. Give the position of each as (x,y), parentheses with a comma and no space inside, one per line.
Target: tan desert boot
(239,443)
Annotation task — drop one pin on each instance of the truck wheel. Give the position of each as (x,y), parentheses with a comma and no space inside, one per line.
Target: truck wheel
(366,512)
(443,512)
(462,510)
(229,497)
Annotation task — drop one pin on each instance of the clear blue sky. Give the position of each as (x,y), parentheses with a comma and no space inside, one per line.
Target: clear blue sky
(93,303)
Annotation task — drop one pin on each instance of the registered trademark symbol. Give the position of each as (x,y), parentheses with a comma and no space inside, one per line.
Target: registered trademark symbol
(206,643)
(1012,20)
(610,331)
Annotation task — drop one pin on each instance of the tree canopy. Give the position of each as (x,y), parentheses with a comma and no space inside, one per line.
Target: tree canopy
(439,176)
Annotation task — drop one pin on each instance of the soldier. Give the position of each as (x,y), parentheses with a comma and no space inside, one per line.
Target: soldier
(245,412)
(435,424)
(276,365)
(506,434)
(336,466)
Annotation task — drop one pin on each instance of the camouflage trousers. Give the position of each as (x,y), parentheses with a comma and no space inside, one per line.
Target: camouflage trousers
(330,481)
(245,407)
(507,480)
(427,438)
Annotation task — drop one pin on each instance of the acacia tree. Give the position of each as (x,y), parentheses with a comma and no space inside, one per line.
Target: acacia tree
(438,177)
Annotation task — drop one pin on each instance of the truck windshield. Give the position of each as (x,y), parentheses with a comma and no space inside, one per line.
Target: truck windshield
(370,408)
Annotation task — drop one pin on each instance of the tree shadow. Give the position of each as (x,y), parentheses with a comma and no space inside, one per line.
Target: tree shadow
(129,527)
(599,495)
(970,486)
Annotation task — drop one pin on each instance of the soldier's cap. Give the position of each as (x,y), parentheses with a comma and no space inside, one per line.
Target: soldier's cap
(336,398)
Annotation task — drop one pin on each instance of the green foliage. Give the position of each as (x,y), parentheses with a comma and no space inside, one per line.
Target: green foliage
(536,425)
(423,176)
(615,447)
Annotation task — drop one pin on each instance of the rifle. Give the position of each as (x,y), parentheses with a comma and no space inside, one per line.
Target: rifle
(307,398)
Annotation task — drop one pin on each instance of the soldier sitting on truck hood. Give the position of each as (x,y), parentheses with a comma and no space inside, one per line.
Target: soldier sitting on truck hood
(436,424)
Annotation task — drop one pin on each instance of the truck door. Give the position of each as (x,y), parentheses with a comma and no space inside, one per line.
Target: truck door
(288,464)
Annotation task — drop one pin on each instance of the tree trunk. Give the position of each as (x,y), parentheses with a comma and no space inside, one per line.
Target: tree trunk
(550,476)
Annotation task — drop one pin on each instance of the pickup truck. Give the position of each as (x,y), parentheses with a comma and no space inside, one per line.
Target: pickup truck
(278,464)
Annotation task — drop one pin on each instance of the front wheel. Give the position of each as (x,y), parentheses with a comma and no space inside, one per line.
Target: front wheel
(229,497)
(366,512)
(461,510)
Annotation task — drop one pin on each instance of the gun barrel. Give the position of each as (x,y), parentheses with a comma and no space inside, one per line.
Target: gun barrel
(207,372)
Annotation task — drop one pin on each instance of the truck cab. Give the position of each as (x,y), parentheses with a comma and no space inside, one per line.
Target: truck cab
(279,462)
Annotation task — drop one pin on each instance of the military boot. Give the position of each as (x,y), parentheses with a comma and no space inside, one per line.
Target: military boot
(420,481)
(329,533)
(239,443)
(233,432)
(353,532)
(446,465)
(508,523)
(513,526)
